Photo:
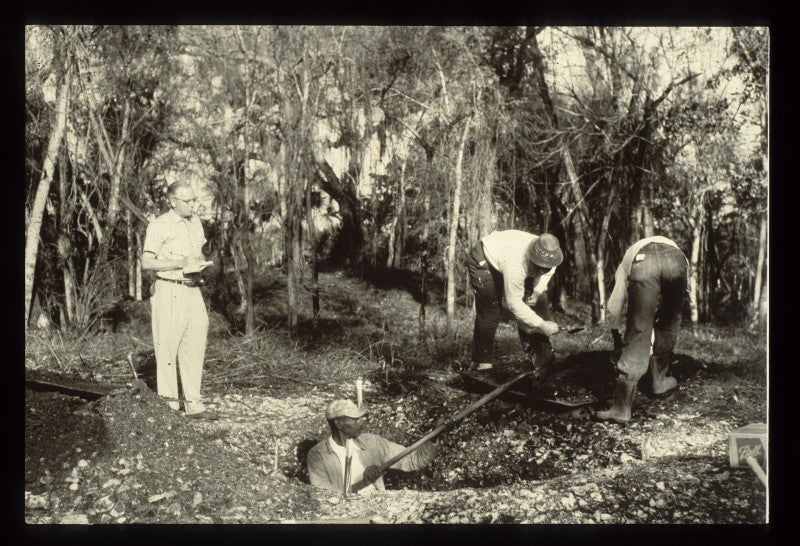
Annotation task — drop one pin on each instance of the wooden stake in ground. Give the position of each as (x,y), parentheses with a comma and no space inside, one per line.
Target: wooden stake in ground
(359,391)
(275,459)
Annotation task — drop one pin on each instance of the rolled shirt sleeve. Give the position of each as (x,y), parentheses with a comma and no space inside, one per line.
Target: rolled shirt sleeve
(544,280)
(153,239)
(514,293)
(419,458)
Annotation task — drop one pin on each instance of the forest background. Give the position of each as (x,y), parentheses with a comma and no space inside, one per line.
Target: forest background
(387,152)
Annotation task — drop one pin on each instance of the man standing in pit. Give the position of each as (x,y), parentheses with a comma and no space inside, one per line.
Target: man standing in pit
(326,461)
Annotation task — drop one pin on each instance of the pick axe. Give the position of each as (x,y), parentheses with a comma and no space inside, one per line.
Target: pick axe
(748,447)
(444,426)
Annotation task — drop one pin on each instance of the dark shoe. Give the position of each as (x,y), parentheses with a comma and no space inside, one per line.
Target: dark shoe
(205,415)
(620,410)
(659,366)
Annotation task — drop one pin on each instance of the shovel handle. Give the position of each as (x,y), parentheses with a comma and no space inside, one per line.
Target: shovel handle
(447,424)
(753,463)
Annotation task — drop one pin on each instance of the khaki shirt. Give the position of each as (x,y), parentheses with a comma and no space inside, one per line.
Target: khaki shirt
(170,237)
(507,252)
(325,468)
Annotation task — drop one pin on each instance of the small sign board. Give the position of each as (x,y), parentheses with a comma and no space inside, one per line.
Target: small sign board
(748,441)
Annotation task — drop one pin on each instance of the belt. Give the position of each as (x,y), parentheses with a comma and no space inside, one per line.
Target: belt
(478,255)
(190,284)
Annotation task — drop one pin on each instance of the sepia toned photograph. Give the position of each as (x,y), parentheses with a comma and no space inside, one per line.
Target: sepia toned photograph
(365,274)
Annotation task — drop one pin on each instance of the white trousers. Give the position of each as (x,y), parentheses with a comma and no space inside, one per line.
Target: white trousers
(180,327)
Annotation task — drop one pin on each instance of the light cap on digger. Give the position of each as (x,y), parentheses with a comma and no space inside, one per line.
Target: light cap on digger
(343,408)
(545,251)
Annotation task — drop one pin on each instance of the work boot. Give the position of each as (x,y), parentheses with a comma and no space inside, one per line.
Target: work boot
(541,356)
(659,366)
(620,410)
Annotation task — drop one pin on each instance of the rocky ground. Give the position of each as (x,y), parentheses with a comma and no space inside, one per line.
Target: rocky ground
(127,458)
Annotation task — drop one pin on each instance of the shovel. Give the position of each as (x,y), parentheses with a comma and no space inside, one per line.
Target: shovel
(447,424)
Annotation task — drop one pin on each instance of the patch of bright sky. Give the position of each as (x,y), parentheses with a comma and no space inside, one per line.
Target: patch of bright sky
(670,53)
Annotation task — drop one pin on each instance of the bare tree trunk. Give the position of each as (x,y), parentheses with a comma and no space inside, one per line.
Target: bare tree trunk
(601,255)
(647,221)
(137,291)
(424,256)
(65,243)
(237,269)
(93,218)
(116,181)
(694,265)
(578,223)
(245,238)
(131,256)
(513,187)
(294,269)
(397,232)
(312,249)
(760,269)
(249,316)
(454,219)
(763,308)
(34,226)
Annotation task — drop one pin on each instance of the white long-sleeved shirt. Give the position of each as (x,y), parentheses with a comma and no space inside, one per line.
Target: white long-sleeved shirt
(619,295)
(507,252)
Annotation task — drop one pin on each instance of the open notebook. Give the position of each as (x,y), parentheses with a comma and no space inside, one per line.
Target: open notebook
(197,267)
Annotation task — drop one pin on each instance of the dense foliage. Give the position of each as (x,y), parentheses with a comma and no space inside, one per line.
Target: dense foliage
(396,148)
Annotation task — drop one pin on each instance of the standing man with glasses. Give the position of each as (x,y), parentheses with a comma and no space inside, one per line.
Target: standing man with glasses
(173,249)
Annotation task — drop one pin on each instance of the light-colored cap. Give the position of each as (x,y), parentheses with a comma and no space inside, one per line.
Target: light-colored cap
(343,408)
(545,251)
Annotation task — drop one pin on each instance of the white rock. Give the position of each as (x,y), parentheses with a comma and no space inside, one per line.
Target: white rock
(36,501)
(75,519)
(161,496)
(568,502)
